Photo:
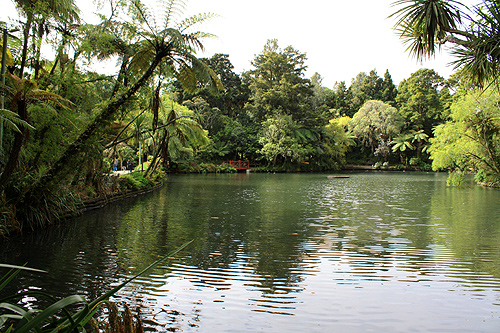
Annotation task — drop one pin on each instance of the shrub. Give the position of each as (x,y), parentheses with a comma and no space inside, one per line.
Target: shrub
(207,168)
(134,181)
(414,161)
(225,168)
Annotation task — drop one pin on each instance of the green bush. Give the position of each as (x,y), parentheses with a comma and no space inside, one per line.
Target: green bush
(225,168)
(414,161)
(207,168)
(135,181)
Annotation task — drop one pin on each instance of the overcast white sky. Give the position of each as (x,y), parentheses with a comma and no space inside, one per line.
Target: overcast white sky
(341,38)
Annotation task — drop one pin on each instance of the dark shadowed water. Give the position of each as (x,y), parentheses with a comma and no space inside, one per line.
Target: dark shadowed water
(382,252)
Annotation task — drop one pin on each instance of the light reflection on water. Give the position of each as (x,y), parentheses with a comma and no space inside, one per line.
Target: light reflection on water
(379,251)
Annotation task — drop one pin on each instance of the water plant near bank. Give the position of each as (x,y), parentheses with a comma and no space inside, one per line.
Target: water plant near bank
(60,316)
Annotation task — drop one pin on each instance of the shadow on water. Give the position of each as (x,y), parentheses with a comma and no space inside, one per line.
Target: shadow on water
(286,251)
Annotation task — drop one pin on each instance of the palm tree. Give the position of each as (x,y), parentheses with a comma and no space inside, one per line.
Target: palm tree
(40,13)
(22,93)
(181,134)
(172,49)
(427,24)
(420,137)
(401,143)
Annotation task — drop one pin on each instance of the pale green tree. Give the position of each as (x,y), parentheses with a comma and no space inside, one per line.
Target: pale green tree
(376,124)
(278,140)
(471,139)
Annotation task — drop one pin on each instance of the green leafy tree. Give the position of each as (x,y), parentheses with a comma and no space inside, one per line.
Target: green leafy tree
(279,142)
(320,94)
(375,125)
(420,102)
(470,140)
(234,94)
(389,90)
(277,85)
(340,99)
(363,88)
(370,86)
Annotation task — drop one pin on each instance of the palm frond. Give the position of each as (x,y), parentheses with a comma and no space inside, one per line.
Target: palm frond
(479,55)
(427,21)
(142,14)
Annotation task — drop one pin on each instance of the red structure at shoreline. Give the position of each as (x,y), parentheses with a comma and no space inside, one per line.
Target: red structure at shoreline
(238,165)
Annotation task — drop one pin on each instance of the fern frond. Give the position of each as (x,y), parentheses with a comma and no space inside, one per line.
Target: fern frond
(11,120)
(172,9)
(143,15)
(194,20)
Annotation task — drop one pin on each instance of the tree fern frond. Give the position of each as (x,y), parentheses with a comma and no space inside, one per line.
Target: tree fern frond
(171,10)
(11,120)
(187,78)
(194,20)
(142,14)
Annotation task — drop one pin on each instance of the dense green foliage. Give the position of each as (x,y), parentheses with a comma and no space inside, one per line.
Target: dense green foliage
(66,127)
(468,141)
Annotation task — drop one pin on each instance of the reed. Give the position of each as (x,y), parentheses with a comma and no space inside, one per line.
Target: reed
(59,316)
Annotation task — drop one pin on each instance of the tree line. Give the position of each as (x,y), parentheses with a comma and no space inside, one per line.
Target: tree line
(66,126)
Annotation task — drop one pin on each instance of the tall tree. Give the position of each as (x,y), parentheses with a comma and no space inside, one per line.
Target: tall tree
(363,88)
(376,124)
(38,14)
(231,99)
(340,99)
(419,100)
(389,90)
(278,85)
(169,48)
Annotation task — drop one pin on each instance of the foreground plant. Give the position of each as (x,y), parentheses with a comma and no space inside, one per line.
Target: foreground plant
(57,317)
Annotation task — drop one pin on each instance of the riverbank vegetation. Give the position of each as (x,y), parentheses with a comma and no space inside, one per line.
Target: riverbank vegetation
(66,126)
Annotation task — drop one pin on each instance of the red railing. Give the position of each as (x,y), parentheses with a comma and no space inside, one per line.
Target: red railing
(238,165)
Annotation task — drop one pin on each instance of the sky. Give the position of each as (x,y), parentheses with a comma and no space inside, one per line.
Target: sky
(340,38)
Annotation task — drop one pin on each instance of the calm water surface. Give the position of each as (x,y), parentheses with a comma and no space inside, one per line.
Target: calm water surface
(391,252)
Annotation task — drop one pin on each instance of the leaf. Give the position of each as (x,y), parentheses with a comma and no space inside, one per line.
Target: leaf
(84,316)
(22,268)
(49,312)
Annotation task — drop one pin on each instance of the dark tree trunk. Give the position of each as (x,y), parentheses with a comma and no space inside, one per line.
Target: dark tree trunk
(73,150)
(16,148)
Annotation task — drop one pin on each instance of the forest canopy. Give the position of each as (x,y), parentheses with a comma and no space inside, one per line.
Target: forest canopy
(66,127)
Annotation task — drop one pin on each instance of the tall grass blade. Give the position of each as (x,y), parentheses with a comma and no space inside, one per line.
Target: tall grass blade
(82,317)
(49,312)
(5,279)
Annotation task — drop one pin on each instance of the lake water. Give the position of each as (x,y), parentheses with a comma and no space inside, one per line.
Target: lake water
(382,252)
